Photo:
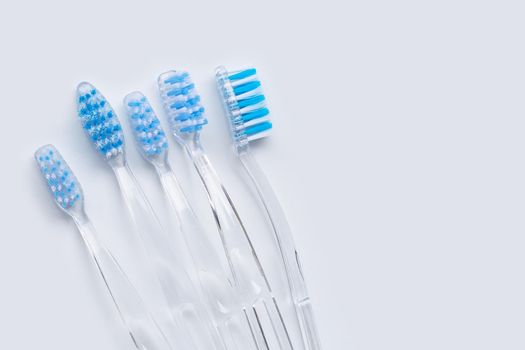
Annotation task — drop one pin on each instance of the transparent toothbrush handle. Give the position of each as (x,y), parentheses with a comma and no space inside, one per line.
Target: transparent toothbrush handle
(203,253)
(235,335)
(143,330)
(179,291)
(248,274)
(231,324)
(212,278)
(154,239)
(283,236)
(232,232)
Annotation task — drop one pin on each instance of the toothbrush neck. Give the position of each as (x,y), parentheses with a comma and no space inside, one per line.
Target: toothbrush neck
(79,216)
(194,147)
(201,161)
(118,162)
(163,167)
(87,230)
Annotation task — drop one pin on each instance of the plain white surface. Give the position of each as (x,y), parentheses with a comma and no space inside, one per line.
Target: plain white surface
(397,154)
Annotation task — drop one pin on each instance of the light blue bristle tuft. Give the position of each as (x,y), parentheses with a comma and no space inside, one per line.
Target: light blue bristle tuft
(243,74)
(251,101)
(146,126)
(247,87)
(59,178)
(181,103)
(99,121)
(245,104)
(258,128)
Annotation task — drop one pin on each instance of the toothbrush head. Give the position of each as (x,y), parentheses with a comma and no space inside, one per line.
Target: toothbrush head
(245,105)
(182,105)
(148,132)
(100,121)
(60,179)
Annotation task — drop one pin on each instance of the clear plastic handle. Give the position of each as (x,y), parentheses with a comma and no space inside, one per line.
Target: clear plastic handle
(143,330)
(247,271)
(283,236)
(217,289)
(203,253)
(181,295)
(233,235)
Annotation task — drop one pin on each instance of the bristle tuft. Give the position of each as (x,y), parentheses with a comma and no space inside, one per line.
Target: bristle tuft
(59,178)
(181,103)
(245,105)
(99,121)
(146,126)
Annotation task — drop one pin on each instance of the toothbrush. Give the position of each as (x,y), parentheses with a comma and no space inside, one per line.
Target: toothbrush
(192,321)
(245,107)
(186,119)
(144,331)
(153,145)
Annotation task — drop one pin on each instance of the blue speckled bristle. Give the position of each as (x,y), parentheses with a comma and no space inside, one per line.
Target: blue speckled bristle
(181,102)
(146,126)
(59,178)
(245,104)
(99,121)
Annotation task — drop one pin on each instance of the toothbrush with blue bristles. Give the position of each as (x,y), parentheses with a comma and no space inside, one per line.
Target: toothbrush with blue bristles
(216,288)
(67,192)
(245,106)
(186,119)
(193,326)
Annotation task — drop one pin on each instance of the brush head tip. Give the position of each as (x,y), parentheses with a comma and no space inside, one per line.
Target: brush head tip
(146,127)
(244,104)
(59,178)
(99,121)
(182,104)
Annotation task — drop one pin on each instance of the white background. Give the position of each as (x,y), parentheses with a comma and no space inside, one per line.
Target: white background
(397,154)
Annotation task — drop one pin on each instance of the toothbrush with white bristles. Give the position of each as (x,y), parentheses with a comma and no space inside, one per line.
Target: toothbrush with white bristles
(144,331)
(216,288)
(245,106)
(263,312)
(193,328)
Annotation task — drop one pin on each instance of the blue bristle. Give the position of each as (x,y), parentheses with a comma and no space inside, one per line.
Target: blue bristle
(181,91)
(259,113)
(243,74)
(59,178)
(146,126)
(181,102)
(99,121)
(258,128)
(245,103)
(177,78)
(251,101)
(241,89)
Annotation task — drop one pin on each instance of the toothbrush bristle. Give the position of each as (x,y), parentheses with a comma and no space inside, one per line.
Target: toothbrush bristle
(145,124)
(245,104)
(181,102)
(59,178)
(99,121)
